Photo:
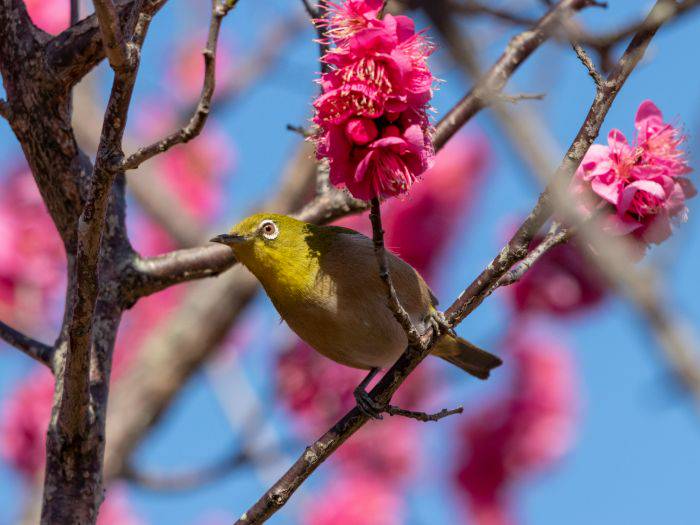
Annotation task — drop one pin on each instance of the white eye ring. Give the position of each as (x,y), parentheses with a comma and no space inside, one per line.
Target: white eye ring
(269,229)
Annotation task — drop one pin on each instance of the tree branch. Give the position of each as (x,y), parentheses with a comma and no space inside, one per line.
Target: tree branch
(74,447)
(73,53)
(588,63)
(552,239)
(196,124)
(38,351)
(514,251)
(394,304)
(490,85)
(112,38)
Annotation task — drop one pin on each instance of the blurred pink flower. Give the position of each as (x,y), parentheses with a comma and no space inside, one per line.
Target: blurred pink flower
(387,450)
(116,509)
(24,418)
(642,186)
(185,74)
(372,115)
(53,16)
(195,171)
(561,282)
(523,432)
(32,258)
(436,204)
(354,500)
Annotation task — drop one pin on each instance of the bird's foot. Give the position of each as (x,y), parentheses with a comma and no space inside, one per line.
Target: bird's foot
(367,405)
(437,320)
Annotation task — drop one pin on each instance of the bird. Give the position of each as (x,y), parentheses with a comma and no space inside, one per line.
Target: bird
(325,284)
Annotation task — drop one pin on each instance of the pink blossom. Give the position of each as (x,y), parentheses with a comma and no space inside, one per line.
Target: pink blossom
(32,260)
(641,188)
(373,124)
(116,509)
(186,72)
(23,421)
(354,500)
(387,450)
(523,432)
(561,282)
(436,204)
(52,16)
(386,166)
(347,18)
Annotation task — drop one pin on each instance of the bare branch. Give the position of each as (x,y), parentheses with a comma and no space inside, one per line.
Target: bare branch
(38,351)
(552,239)
(313,11)
(74,447)
(422,416)
(394,304)
(196,124)
(514,251)
(182,481)
(586,61)
(513,99)
(491,84)
(112,38)
(73,53)
(74,11)
(473,8)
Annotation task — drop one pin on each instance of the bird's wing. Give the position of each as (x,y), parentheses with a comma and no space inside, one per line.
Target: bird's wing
(353,254)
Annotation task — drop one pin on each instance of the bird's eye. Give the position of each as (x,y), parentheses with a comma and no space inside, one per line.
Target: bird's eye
(269,229)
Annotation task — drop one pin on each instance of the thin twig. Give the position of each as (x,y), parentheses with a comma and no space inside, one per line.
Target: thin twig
(300,130)
(550,241)
(74,12)
(472,8)
(513,99)
(183,481)
(394,304)
(586,61)
(37,350)
(422,416)
(112,38)
(196,124)
(313,12)
(491,84)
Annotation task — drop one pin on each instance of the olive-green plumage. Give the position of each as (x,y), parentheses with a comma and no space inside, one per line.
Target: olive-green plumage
(325,284)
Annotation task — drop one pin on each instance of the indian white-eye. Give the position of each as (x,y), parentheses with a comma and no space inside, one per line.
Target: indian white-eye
(324,282)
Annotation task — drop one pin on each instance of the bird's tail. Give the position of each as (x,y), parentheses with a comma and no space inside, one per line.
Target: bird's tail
(466,356)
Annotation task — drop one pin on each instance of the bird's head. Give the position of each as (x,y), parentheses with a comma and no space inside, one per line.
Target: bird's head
(267,242)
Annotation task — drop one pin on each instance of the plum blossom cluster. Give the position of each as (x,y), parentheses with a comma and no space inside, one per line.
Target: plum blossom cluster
(372,113)
(640,188)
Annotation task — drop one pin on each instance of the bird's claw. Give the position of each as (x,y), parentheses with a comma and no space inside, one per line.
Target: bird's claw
(437,320)
(367,405)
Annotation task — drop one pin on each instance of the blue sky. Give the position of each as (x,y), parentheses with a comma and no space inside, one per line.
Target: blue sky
(636,456)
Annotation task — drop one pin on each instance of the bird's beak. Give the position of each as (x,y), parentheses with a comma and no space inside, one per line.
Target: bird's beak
(228,239)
